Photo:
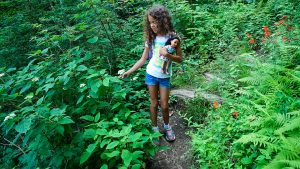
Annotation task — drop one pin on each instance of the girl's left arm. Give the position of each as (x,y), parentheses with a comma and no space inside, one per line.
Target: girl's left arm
(177,58)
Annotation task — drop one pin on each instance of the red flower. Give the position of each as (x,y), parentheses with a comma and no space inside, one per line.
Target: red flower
(248,34)
(283,17)
(216,104)
(279,23)
(251,41)
(284,38)
(291,28)
(235,114)
(266,30)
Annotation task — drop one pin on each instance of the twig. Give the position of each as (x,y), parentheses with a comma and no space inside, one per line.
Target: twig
(11,143)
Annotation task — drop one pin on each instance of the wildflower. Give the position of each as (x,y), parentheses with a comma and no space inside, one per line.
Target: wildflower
(35,79)
(216,104)
(135,78)
(251,41)
(266,30)
(88,96)
(283,17)
(10,116)
(122,71)
(2,74)
(284,38)
(235,114)
(248,34)
(82,85)
(291,28)
(279,23)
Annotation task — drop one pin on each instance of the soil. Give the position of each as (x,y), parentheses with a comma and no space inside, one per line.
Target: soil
(178,156)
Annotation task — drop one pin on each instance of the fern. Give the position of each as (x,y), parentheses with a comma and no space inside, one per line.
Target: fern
(291,125)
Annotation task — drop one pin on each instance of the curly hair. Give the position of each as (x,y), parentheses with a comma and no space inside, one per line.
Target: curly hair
(162,15)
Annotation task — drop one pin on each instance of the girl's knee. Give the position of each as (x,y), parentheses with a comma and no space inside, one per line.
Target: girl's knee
(164,106)
(154,103)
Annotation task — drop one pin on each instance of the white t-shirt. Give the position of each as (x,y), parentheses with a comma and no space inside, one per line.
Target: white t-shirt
(155,64)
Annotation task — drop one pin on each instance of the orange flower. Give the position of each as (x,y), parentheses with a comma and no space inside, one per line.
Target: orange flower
(216,104)
(279,23)
(235,114)
(284,38)
(251,41)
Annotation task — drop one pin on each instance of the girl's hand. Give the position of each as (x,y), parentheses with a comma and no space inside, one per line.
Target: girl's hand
(124,75)
(163,51)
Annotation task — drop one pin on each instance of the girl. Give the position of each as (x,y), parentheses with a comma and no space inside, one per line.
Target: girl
(157,30)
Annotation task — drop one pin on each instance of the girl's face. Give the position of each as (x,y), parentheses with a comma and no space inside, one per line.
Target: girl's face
(153,24)
(174,43)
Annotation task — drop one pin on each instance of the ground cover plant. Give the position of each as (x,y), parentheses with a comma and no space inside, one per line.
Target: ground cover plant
(63,105)
(256,125)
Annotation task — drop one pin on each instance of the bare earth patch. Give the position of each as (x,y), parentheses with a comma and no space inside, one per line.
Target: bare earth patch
(179,155)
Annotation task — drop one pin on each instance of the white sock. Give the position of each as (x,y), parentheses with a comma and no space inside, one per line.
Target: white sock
(166,126)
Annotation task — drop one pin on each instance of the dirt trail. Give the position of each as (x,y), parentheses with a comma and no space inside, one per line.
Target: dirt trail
(178,156)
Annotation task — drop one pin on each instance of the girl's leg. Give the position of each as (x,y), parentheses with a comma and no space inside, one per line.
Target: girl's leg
(164,103)
(153,90)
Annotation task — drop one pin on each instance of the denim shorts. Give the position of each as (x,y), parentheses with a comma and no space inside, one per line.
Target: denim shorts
(162,82)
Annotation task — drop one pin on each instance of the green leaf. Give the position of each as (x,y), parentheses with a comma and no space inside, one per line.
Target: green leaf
(25,88)
(81,68)
(89,133)
(57,112)
(126,156)
(48,86)
(113,154)
(91,147)
(97,117)
(40,101)
(11,69)
(136,166)
(93,40)
(104,142)
(60,129)
(29,96)
(116,105)
(104,166)
(80,99)
(87,117)
(135,137)
(106,82)
(85,156)
(78,37)
(95,84)
(112,144)
(137,154)
(66,120)
(101,132)
(246,160)
(23,126)
(45,51)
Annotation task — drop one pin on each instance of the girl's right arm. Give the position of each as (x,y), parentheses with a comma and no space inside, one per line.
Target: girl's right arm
(138,64)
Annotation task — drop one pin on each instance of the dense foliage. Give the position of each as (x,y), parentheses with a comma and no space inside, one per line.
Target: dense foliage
(62,105)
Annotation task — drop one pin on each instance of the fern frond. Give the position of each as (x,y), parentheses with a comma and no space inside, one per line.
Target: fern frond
(258,139)
(296,113)
(292,125)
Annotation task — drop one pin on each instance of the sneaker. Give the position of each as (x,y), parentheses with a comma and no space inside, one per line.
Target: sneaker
(169,134)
